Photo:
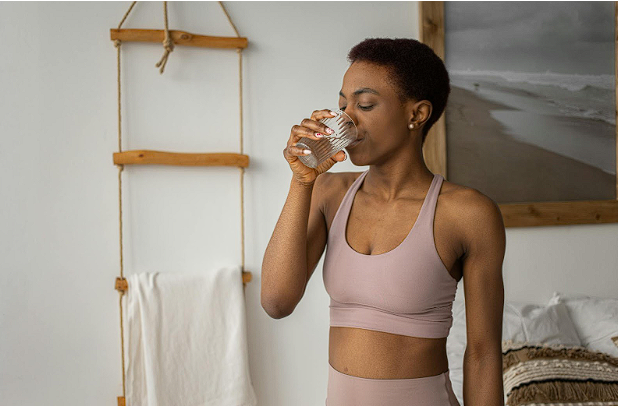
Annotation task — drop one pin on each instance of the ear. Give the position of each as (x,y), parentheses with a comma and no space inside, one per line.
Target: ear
(421,112)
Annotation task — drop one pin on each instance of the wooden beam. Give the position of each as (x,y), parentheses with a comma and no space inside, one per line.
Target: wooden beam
(559,213)
(145,156)
(179,38)
(431,22)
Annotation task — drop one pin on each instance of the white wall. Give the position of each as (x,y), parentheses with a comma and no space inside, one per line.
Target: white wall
(59,314)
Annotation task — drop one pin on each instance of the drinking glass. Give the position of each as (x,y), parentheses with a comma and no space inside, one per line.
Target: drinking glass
(345,133)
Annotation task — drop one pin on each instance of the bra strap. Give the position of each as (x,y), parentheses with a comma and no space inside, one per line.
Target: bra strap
(431,199)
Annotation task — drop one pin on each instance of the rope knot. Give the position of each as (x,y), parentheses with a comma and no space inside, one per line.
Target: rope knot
(168,44)
(117,43)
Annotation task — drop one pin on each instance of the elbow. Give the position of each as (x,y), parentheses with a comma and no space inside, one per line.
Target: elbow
(277,314)
(277,303)
(275,308)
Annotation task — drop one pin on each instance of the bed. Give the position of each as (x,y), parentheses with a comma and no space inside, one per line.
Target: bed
(564,352)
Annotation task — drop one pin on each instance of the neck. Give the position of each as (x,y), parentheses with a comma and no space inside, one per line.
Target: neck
(402,175)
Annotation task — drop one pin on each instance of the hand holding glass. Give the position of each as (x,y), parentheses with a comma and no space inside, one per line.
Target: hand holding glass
(344,133)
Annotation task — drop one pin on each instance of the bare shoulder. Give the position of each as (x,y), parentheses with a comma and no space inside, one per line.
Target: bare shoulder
(332,187)
(465,197)
(333,183)
(475,215)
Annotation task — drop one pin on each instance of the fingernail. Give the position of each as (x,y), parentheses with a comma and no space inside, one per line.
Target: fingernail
(306,151)
(330,131)
(333,113)
(319,135)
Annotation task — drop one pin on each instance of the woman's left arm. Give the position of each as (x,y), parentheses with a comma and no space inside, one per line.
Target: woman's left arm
(484,247)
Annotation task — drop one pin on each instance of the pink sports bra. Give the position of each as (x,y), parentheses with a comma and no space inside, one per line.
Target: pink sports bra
(406,291)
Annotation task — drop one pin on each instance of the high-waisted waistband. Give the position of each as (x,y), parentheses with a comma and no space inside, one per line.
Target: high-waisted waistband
(349,390)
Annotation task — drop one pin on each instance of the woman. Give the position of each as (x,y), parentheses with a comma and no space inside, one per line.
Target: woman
(399,240)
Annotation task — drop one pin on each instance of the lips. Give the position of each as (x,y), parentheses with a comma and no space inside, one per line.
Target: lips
(355,143)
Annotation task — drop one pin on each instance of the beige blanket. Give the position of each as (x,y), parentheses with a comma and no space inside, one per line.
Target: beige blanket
(541,374)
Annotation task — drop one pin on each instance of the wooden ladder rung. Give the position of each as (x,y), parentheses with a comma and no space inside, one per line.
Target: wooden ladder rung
(145,156)
(179,38)
(123,285)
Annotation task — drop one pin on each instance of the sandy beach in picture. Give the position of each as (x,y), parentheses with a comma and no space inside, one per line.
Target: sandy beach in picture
(491,135)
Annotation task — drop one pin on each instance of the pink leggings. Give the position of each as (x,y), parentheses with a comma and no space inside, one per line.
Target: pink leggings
(349,390)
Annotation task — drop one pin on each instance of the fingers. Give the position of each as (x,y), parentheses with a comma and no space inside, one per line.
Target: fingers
(319,115)
(306,130)
(312,127)
(294,151)
(340,156)
(316,129)
(309,128)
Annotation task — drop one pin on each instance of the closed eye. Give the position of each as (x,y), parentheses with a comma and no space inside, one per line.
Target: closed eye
(361,107)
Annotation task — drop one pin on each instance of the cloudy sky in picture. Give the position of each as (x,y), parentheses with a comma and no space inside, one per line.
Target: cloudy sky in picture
(528,36)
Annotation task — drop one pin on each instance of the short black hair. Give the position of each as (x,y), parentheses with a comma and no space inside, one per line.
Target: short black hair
(417,73)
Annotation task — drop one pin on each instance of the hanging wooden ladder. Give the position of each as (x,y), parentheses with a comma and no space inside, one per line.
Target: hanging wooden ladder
(170,38)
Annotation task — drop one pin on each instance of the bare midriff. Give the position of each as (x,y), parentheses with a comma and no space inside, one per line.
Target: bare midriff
(380,355)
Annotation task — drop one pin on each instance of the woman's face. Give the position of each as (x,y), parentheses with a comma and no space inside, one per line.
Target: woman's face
(370,100)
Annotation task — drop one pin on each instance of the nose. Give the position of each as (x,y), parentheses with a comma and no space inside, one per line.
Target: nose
(351,115)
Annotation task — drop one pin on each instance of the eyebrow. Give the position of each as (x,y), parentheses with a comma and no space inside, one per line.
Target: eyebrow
(361,90)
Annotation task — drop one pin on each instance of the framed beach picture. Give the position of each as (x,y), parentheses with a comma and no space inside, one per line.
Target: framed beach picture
(531,118)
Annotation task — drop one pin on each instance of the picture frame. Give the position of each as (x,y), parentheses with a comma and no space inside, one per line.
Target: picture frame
(527,214)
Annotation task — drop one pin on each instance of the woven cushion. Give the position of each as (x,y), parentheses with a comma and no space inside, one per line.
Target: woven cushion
(555,374)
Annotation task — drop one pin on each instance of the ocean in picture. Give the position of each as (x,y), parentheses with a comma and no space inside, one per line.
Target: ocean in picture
(546,107)
(532,137)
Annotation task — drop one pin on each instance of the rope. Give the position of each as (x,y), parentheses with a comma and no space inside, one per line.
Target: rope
(242,169)
(117,44)
(169,47)
(168,44)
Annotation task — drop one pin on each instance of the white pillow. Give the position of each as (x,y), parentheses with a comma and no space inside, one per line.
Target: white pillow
(595,319)
(549,324)
(455,346)
(521,322)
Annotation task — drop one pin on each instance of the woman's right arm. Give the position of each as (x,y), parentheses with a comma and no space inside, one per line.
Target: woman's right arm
(285,267)
(299,238)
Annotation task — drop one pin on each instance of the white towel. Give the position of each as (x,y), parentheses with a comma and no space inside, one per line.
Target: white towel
(186,340)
